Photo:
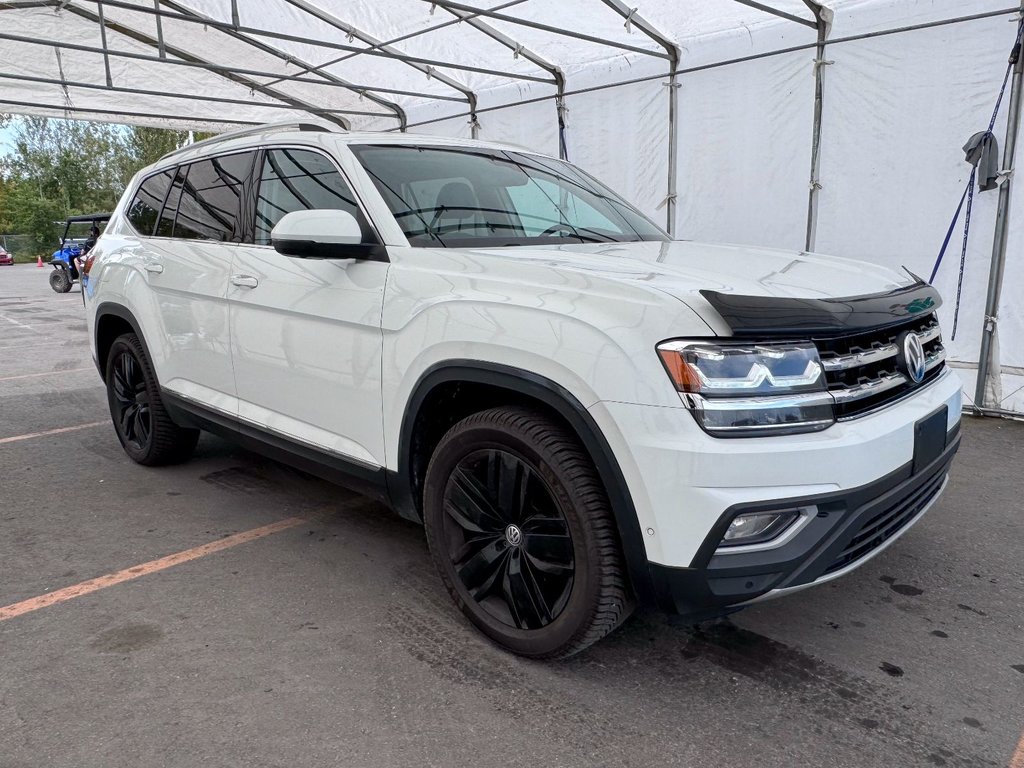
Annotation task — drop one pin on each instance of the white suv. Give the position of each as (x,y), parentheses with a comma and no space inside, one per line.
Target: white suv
(583,413)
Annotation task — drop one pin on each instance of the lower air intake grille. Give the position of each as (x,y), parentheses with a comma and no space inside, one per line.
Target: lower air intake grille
(887,523)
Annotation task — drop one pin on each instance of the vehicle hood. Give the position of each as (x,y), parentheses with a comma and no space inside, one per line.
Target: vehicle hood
(683,268)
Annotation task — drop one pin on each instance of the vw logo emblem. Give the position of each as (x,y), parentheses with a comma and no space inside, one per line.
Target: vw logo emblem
(912,357)
(513,536)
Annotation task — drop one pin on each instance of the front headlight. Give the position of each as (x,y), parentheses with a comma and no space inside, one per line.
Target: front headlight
(750,389)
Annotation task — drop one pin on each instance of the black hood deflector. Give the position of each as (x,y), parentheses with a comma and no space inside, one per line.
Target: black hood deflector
(782,316)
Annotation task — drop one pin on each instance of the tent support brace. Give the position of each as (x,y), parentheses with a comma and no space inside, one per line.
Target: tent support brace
(103,43)
(161,47)
(781,14)
(824,19)
(999,242)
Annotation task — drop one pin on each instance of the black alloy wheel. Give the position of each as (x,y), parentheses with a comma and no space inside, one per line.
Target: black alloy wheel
(521,531)
(133,416)
(507,539)
(146,431)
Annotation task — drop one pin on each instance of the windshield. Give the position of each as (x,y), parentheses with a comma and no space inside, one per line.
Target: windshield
(464,196)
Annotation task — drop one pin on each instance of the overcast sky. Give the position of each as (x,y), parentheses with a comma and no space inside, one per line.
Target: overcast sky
(6,140)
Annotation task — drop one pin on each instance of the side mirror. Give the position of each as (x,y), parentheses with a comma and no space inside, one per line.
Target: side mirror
(324,234)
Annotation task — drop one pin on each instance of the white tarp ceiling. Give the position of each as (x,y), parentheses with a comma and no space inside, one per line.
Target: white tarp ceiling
(722,150)
(365,63)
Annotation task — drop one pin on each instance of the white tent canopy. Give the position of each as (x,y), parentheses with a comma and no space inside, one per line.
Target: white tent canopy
(832,125)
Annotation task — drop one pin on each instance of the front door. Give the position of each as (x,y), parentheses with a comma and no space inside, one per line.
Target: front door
(306,336)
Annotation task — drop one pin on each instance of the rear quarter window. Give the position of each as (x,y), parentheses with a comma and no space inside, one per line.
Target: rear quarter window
(144,210)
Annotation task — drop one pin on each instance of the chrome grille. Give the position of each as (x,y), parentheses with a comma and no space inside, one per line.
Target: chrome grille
(862,372)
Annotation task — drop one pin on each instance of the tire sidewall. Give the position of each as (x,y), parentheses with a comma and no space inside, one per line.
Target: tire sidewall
(463,440)
(62,283)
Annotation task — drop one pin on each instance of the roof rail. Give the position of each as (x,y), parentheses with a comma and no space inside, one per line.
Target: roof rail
(290,125)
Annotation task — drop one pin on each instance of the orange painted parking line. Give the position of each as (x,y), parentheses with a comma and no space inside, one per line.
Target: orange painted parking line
(102,582)
(45,373)
(30,435)
(1017,761)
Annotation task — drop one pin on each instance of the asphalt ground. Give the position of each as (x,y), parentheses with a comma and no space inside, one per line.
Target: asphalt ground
(329,641)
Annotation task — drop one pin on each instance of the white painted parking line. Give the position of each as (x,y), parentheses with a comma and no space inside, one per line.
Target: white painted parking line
(15,322)
(33,346)
(30,435)
(44,373)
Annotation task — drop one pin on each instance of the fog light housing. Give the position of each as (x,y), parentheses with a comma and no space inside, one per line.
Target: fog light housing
(757,527)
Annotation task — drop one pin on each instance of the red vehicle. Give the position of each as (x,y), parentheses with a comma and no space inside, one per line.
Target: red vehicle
(6,258)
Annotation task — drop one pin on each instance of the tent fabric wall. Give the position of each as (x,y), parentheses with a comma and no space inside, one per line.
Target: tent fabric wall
(745,151)
(899,108)
(899,102)
(620,135)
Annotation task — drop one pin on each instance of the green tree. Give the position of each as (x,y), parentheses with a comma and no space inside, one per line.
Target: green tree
(64,167)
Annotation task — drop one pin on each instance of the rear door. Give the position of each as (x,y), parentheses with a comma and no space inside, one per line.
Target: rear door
(306,333)
(186,261)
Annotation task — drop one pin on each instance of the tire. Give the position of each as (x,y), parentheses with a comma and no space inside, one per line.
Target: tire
(60,281)
(520,529)
(141,422)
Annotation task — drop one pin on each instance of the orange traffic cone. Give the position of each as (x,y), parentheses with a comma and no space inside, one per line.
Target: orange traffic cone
(39,261)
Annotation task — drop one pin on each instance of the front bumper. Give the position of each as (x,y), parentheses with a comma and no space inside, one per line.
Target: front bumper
(846,528)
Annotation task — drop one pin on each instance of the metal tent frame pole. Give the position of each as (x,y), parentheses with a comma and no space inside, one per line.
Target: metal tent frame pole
(823,17)
(674,54)
(1002,230)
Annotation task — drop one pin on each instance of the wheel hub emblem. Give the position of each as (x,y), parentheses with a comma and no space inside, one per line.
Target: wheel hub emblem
(913,357)
(513,536)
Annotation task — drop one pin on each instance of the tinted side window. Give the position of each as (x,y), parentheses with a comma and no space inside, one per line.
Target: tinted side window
(145,208)
(211,200)
(296,180)
(165,226)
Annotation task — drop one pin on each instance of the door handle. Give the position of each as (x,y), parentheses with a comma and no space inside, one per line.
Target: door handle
(244,281)
(155,268)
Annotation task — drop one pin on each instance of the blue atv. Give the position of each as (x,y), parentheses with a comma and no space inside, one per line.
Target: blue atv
(67,260)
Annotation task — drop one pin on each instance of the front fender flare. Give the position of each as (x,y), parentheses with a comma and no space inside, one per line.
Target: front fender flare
(562,401)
